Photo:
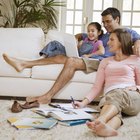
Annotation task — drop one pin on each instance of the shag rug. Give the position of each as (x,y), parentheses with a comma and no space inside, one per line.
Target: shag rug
(129,131)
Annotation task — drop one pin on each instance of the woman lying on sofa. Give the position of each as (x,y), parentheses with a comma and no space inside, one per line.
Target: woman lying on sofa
(119,75)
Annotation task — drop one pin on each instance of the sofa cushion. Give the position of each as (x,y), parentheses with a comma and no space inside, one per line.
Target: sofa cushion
(21,43)
(51,72)
(54,35)
(7,71)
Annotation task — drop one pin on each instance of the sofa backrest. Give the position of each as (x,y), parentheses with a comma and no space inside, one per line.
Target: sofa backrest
(21,43)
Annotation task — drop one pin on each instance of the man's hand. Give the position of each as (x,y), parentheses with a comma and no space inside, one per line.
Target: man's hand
(136,48)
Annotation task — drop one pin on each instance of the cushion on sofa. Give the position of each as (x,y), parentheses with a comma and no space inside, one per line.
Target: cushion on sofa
(54,35)
(51,72)
(8,71)
(21,43)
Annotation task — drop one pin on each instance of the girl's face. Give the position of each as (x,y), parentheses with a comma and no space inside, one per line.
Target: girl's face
(92,32)
(114,44)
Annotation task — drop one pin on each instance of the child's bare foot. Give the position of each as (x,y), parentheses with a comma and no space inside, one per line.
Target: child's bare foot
(44,99)
(17,64)
(104,130)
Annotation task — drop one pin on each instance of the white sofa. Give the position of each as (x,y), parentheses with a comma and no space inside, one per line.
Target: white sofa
(26,43)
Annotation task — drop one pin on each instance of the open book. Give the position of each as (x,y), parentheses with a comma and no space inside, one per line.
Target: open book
(63,115)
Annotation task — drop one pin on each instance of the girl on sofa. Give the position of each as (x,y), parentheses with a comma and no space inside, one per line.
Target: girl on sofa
(91,46)
(119,75)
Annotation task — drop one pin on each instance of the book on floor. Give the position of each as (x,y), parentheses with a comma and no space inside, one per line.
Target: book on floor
(32,123)
(73,122)
(11,120)
(63,114)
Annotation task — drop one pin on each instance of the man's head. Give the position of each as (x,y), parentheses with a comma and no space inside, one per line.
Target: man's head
(111,18)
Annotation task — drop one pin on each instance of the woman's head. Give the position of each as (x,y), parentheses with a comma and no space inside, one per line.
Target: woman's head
(120,39)
(94,30)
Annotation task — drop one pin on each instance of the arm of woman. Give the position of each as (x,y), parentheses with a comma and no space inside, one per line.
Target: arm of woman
(137,75)
(97,87)
(99,81)
(136,47)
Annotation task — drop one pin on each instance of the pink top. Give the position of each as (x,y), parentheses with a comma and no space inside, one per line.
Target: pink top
(94,43)
(114,74)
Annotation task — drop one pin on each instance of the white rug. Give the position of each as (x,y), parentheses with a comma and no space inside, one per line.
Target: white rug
(129,131)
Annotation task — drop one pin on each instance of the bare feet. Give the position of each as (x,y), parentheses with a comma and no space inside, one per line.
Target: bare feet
(102,129)
(91,125)
(14,62)
(44,99)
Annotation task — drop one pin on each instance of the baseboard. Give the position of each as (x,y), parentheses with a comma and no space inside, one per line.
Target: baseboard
(53,100)
(12,98)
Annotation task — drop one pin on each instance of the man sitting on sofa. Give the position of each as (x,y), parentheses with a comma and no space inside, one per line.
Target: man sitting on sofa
(111,21)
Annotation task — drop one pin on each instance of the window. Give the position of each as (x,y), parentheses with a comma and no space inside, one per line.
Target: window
(131,14)
(74,16)
(78,13)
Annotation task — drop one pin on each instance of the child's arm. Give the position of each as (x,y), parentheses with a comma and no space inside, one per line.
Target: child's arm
(100,51)
(79,37)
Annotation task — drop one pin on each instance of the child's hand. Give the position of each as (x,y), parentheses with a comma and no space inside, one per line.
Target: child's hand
(86,56)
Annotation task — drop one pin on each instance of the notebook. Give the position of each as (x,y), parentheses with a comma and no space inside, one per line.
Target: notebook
(70,44)
(68,40)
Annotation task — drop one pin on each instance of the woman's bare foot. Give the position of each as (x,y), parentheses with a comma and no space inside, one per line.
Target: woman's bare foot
(91,125)
(17,64)
(104,130)
(44,99)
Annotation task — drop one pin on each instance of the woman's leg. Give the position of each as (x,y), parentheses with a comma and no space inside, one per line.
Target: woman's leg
(107,112)
(19,64)
(107,123)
